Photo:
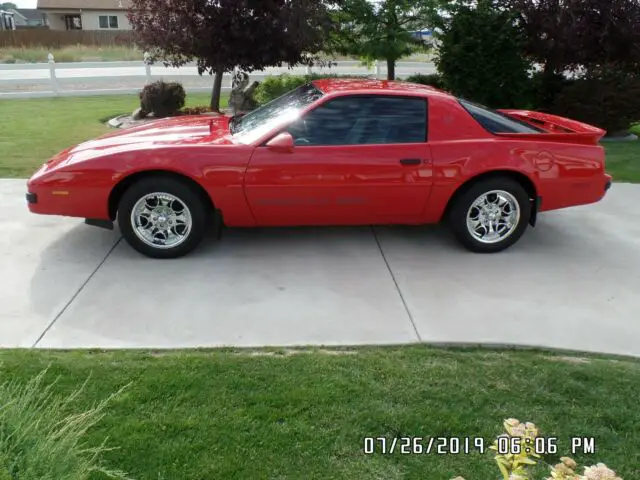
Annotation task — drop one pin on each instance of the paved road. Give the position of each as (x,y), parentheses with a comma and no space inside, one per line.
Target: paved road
(121,75)
(570,283)
(41,71)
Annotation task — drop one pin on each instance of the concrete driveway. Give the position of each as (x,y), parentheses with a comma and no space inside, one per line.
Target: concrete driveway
(571,283)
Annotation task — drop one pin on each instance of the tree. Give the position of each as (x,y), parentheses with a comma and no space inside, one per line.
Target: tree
(380,29)
(7,6)
(221,35)
(580,34)
(481,56)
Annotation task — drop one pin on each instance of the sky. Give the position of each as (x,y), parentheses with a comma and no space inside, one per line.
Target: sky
(24,3)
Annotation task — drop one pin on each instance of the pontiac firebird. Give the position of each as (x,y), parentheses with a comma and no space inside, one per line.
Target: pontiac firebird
(331,152)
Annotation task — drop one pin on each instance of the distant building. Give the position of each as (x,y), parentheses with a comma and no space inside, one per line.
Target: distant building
(29,17)
(424,35)
(86,14)
(7,21)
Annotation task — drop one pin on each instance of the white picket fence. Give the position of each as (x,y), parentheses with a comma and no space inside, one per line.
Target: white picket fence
(16,80)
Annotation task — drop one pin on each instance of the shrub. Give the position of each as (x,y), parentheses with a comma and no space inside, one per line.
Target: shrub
(545,89)
(40,438)
(434,80)
(162,98)
(481,57)
(277,85)
(611,102)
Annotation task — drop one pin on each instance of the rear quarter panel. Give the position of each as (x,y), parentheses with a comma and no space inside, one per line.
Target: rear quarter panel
(563,174)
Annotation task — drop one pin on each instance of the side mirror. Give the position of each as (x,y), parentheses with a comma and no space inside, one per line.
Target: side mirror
(283,142)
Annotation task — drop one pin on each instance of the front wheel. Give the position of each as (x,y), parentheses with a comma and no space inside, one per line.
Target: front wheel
(490,216)
(162,217)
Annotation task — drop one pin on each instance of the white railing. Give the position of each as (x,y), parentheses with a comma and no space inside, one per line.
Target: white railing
(18,77)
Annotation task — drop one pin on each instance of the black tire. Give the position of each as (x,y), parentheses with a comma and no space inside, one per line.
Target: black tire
(199,213)
(458,214)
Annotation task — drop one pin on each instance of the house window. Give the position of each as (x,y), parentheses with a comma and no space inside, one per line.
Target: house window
(108,21)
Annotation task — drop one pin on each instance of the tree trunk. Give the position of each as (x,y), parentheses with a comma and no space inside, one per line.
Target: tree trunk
(215,91)
(391,69)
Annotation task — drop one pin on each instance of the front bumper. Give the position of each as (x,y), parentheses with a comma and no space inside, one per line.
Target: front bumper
(32,198)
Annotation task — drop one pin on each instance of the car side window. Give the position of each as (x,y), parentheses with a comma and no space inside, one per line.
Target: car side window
(363,120)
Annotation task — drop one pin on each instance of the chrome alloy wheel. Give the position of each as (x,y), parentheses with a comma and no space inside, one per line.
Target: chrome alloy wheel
(493,216)
(161,220)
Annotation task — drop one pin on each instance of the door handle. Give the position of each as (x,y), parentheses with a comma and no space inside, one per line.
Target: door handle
(411,161)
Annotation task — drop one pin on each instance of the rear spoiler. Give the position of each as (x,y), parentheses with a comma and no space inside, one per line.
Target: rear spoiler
(556,129)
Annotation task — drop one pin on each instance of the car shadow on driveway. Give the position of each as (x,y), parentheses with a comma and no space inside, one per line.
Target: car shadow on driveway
(325,286)
(567,284)
(65,266)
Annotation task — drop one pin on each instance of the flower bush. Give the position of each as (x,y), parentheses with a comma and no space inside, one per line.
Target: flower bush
(516,466)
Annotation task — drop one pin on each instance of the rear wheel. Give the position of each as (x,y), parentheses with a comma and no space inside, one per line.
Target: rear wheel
(162,217)
(491,215)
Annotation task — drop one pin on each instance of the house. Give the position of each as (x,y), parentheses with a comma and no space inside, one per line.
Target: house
(86,14)
(28,17)
(6,20)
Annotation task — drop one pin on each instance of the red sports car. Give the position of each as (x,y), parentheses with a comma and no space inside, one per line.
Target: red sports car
(331,152)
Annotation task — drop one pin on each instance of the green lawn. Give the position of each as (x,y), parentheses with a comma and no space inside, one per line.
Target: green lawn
(75,53)
(34,130)
(238,414)
(89,53)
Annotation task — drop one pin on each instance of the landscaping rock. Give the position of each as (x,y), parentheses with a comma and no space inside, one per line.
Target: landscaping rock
(138,114)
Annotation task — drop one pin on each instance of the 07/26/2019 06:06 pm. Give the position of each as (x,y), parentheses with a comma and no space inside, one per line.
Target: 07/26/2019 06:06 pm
(505,445)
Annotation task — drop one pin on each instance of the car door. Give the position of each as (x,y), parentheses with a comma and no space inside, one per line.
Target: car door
(357,159)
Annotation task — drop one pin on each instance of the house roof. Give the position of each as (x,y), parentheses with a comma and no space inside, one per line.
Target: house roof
(85,4)
(28,13)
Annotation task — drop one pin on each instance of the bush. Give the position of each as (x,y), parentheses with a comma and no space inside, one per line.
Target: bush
(611,102)
(545,89)
(434,80)
(274,86)
(481,58)
(162,98)
(40,438)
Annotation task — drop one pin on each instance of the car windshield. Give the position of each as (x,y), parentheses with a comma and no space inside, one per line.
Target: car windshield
(277,112)
(497,122)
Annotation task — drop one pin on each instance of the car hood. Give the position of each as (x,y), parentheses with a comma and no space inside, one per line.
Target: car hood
(176,131)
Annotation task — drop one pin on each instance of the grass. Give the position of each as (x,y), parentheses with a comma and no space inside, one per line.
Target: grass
(236,414)
(61,122)
(84,53)
(623,158)
(58,123)
(77,53)
(41,437)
